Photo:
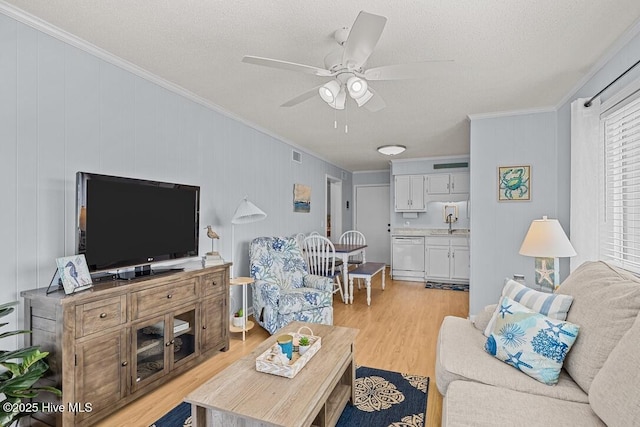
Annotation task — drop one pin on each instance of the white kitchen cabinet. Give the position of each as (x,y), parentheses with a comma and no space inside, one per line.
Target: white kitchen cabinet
(409,193)
(447,258)
(438,183)
(459,183)
(460,263)
(447,183)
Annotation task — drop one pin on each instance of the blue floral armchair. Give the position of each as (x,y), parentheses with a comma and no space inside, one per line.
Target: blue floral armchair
(283,290)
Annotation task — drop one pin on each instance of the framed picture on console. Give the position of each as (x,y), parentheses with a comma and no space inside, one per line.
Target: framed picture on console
(74,273)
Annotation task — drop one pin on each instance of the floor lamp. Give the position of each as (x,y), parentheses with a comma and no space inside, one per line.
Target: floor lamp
(246,213)
(547,241)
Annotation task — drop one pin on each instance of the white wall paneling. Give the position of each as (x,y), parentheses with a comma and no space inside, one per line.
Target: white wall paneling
(63,110)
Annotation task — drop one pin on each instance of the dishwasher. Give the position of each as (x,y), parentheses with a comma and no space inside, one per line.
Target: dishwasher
(407,258)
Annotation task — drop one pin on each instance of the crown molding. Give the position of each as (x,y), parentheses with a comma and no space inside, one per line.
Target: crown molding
(371,171)
(47,28)
(499,114)
(419,159)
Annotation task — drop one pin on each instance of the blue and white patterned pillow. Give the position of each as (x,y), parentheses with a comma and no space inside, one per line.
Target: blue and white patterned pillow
(531,342)
(555,306)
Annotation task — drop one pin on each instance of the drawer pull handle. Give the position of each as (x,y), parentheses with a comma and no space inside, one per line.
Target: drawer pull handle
(167,344)
(125,363)
(103,315)
(204,326)
(169,296)
(172,342)
(214,283)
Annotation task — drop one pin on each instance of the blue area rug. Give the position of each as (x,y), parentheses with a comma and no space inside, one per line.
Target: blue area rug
(448,286)
(383,399)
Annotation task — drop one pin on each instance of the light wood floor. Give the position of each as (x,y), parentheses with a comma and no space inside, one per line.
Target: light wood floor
(398,332)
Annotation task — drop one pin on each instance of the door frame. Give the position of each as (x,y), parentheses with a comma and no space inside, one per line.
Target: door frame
(336,206)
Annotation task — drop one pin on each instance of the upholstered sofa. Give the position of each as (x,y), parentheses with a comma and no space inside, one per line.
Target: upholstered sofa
(599,383)
(283,290)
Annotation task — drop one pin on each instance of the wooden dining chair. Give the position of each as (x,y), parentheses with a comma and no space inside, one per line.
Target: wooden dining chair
(320,255)
(354,237)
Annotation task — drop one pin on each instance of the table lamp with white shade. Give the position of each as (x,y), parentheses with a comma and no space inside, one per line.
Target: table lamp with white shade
(547,241)
(246,213)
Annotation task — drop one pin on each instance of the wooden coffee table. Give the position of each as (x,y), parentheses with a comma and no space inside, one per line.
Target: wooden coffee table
(317,395)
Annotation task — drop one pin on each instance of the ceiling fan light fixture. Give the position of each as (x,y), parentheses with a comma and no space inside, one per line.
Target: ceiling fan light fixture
(340,100)
(391,150)
(357,87)
(364,98)
(329,91)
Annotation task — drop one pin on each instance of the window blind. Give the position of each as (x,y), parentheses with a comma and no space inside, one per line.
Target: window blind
(620,238)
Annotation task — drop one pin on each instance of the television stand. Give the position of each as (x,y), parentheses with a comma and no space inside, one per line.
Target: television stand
(146,271)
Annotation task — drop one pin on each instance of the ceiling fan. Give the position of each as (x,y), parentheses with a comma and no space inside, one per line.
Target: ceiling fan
(346,67)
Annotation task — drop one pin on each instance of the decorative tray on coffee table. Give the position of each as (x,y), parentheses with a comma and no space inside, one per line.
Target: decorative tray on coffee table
(266,361)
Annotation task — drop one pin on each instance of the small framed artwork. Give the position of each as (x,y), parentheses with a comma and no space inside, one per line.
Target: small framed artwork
(514,183)
(301,198)
(74,273)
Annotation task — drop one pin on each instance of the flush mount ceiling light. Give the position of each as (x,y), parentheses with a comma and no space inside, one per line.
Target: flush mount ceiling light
(391,150)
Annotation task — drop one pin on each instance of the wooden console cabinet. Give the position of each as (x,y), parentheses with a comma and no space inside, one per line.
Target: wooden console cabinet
(117,341)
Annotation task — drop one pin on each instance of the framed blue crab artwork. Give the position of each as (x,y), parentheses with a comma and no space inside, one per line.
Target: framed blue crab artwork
(514,183)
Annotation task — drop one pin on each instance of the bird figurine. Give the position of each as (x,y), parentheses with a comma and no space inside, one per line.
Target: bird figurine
(213,236)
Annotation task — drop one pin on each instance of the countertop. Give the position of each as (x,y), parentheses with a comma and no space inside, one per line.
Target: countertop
(428,232)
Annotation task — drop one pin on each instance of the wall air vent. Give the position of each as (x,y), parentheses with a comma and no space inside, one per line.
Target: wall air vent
(296,156)
(451,165)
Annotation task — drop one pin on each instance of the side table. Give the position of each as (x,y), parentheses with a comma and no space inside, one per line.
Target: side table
(248,324)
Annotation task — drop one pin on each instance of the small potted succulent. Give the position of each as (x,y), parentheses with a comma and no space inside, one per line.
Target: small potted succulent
(238,319)
(303,345)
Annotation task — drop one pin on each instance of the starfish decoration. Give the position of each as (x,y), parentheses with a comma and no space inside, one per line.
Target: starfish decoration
(545,273)
(504,309)
(556,329)
(514,360)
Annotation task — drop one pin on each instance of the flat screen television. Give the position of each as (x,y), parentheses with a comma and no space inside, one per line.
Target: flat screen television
(126,222)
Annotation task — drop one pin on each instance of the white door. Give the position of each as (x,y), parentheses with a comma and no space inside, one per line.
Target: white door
(372,218)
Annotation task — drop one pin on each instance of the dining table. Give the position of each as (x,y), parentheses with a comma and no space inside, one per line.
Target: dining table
(344,251)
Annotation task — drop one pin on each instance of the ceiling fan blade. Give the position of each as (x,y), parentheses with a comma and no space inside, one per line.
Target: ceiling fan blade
(363,37)
(302,97)
(376,103)
(284,65)
(415,70)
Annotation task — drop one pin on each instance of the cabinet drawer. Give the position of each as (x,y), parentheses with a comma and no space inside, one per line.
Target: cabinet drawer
(155,300)
(99,315)
(212,284)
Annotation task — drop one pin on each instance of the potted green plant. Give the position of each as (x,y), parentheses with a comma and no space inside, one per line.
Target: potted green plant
(303,345)
(23,368)
(238,319)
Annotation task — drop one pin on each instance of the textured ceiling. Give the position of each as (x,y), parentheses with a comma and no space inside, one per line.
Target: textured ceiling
(507,55)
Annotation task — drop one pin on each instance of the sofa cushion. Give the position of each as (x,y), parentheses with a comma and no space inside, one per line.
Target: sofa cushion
(531,342)
(551,305)
(474,404)
(615,391)
(460,355)
(482,319)
(606,302)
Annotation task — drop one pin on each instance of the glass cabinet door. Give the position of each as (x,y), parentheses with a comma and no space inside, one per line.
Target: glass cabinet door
(149,351)
(183,341)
